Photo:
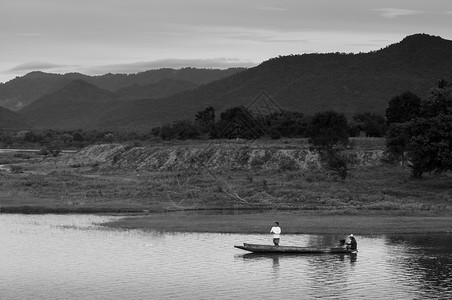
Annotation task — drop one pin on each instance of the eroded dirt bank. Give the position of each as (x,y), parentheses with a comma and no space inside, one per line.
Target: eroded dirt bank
(226,156)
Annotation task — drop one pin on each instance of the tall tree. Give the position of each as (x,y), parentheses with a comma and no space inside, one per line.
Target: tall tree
(403,108)
(287,124)
(328,130)
(427,139)
(328,134)
(206,119)
(239,122)
(369,123)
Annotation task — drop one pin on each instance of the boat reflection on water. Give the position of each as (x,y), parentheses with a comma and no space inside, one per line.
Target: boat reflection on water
(262,257)
(276,256)
(308,270)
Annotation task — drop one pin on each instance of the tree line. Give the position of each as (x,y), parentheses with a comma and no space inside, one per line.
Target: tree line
(241,122)
(236,122)
(65,139)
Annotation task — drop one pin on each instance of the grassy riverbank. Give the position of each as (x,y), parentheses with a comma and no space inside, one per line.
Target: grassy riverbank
(291,222)
(37,184)
(383,188)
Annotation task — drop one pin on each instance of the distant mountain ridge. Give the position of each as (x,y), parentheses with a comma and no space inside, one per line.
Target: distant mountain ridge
(21,91)
(308,83)
(80,104)
(77,105)
(11,120)
(161,89)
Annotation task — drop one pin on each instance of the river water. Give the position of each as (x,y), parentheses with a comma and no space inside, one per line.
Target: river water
(70,257)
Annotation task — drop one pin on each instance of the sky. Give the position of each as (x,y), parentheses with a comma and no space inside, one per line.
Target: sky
(96,37)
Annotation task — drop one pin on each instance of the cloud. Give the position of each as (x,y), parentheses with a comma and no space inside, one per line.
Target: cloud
(392,13)
(36,66)
(212,63)
(128,68)
(266,36)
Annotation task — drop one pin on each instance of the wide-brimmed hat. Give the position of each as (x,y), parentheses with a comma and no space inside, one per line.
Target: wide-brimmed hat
(351,235)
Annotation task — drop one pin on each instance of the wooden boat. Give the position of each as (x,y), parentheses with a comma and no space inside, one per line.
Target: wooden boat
(256,248)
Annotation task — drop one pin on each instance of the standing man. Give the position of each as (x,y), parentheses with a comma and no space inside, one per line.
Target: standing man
(276,230)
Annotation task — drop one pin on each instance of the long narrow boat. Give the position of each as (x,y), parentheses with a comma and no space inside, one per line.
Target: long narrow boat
(256,248)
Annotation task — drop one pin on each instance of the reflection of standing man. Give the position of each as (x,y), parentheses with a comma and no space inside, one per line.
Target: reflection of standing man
(276,230)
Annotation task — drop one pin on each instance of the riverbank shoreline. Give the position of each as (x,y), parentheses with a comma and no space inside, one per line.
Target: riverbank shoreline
(369,222)
(292,222)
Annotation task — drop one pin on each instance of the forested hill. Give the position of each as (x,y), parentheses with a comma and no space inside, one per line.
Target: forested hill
(77,105)
(21,91)
(310,83)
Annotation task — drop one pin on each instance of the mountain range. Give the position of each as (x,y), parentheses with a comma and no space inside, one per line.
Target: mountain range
(21,91)
(308,83)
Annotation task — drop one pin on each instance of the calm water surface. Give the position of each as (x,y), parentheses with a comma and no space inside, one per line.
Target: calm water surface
(69,257)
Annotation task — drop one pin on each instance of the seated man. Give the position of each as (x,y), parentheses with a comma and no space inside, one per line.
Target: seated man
(353,245)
